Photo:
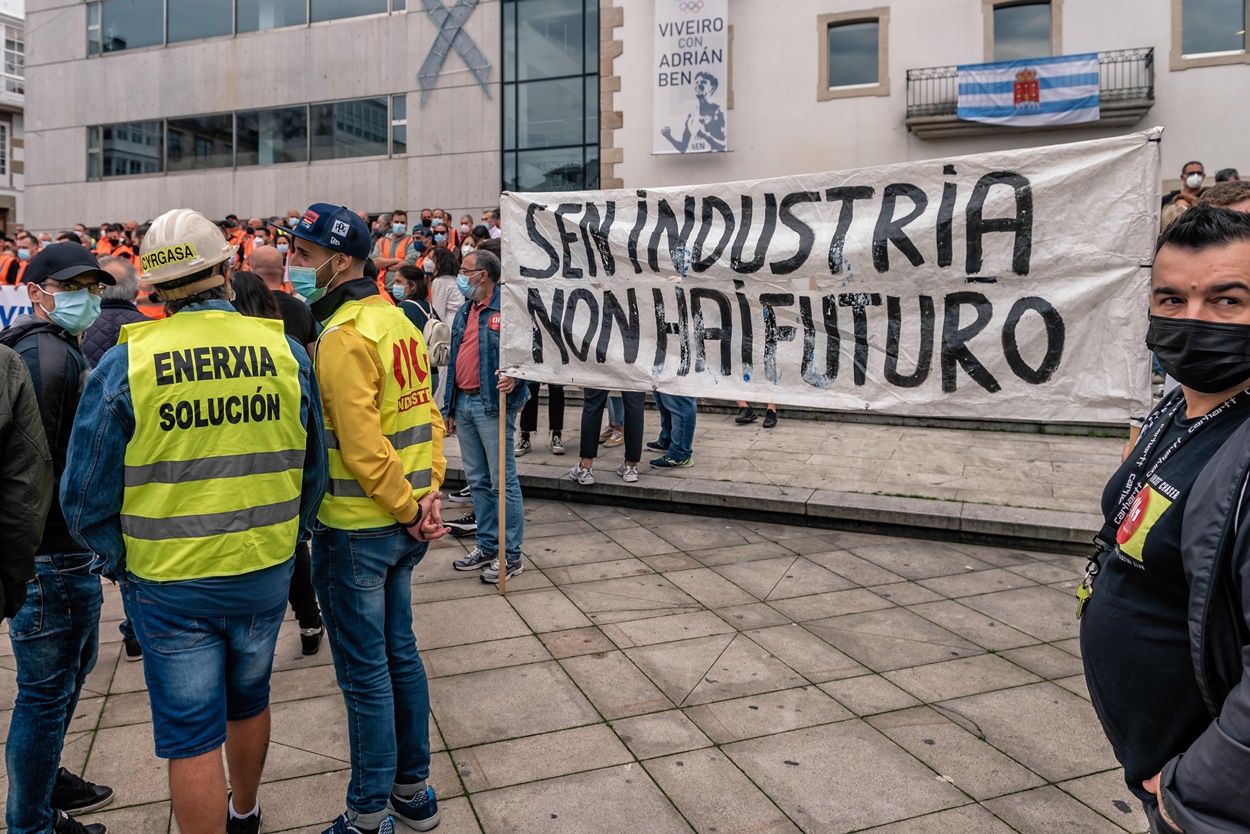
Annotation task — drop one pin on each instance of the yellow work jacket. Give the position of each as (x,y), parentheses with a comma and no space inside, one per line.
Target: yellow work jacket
(214,468)
(384,436)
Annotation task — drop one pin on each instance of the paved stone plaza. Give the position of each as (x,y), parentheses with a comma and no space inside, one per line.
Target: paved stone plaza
(652,672)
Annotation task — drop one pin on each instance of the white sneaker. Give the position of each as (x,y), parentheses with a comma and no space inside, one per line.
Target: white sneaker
(628,473)
(557,445)
(585,477)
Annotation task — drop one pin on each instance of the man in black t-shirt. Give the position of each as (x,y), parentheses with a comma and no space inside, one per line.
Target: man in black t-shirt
(1183,739)
(268,263)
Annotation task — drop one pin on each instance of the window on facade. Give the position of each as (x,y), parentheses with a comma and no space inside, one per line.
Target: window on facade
(551,95)
(194,19)
(346,129)
(337,9)
(14,61)
(93,153)
(268,137)
(130,24)
(261,15)
(1022,31)
(854,58)
(129,149)
(1213,26)
(4,150)
(399,125)
(200,142)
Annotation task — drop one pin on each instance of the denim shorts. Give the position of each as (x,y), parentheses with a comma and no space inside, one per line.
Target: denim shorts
(202,671)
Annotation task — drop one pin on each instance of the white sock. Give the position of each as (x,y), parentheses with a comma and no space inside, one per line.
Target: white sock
(408,791)
(235,815)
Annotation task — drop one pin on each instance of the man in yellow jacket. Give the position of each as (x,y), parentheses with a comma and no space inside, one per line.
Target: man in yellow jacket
(385,442)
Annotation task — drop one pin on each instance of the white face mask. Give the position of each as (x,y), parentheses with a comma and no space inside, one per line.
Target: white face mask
(466,250)
(1194,180)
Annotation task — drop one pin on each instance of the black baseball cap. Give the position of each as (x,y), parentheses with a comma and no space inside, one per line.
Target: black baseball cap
(64,262)
(337,228)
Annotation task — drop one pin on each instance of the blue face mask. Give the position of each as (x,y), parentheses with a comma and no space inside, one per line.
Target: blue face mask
(398,292)
(418,245)
(466,289)
(439,238)
(282,248)
(398,228)
(75,311)
(304,281)
(23,254)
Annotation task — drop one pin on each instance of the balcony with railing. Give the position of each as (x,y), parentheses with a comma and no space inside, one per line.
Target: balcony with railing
(1126,94)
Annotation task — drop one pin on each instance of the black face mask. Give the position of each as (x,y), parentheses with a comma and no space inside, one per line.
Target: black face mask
(427,221)
(1206,356)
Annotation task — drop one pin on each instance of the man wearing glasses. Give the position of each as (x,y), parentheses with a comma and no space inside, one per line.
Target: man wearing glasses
(472,405)
(55,633)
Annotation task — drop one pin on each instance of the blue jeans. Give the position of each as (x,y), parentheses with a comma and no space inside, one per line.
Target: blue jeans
(616,410)
(55,636)
(479,454)
(363,579)
(677,417)
(202,672)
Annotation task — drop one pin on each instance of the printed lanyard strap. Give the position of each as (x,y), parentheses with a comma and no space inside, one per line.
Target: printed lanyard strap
(1140,474)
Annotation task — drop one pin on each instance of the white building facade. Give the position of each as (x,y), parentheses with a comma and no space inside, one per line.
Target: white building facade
(820,85)
(12,106)
(259,106)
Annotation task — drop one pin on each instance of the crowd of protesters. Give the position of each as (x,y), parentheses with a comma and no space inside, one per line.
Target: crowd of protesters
(135,439)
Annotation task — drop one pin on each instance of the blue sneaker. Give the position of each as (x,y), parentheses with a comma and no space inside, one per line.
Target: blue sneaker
(657,446)
(342,826)
(475,559)
(419,813)
(491,574)
(667,462)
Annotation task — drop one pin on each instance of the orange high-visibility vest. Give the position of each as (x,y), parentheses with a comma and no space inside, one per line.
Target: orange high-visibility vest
(384,250)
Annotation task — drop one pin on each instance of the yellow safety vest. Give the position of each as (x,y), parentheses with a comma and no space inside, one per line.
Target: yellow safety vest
(405,411)
(214,469)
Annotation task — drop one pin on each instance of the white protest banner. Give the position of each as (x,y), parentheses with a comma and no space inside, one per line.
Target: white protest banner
(1007,285)
(14,302)
(691,71)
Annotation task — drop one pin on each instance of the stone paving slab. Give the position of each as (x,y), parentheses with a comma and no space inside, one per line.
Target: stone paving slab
(745,677)
(962,484)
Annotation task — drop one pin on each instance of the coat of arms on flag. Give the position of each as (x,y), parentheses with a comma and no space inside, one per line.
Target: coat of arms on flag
(1028,92)
(1035,92)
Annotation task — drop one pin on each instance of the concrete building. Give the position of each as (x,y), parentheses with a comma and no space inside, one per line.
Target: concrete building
(12,106)
(259,106)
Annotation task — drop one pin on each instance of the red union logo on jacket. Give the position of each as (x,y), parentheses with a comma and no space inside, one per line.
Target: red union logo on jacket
(1028,90)
(493,323)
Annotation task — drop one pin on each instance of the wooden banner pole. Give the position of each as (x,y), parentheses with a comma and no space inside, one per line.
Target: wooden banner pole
(502,493)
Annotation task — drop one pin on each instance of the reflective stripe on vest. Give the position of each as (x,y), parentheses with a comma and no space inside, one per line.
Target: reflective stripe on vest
(405,413)
(214,470)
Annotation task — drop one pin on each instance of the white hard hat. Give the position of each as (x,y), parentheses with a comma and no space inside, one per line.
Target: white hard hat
(180,243)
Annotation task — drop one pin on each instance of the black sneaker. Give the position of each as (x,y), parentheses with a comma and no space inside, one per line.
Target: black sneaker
(770,419)
(746,414)
(464,496)
(463,527)
(310,640)
(246,825)
(133,650)
(75,795)
(63,823)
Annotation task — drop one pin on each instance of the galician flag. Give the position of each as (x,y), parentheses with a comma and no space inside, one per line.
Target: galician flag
(1039,91)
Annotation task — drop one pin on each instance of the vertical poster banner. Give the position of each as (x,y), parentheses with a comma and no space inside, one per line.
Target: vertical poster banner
(691,75)
(970,287)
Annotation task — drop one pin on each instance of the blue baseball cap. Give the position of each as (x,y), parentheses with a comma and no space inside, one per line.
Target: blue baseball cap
(337,228)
